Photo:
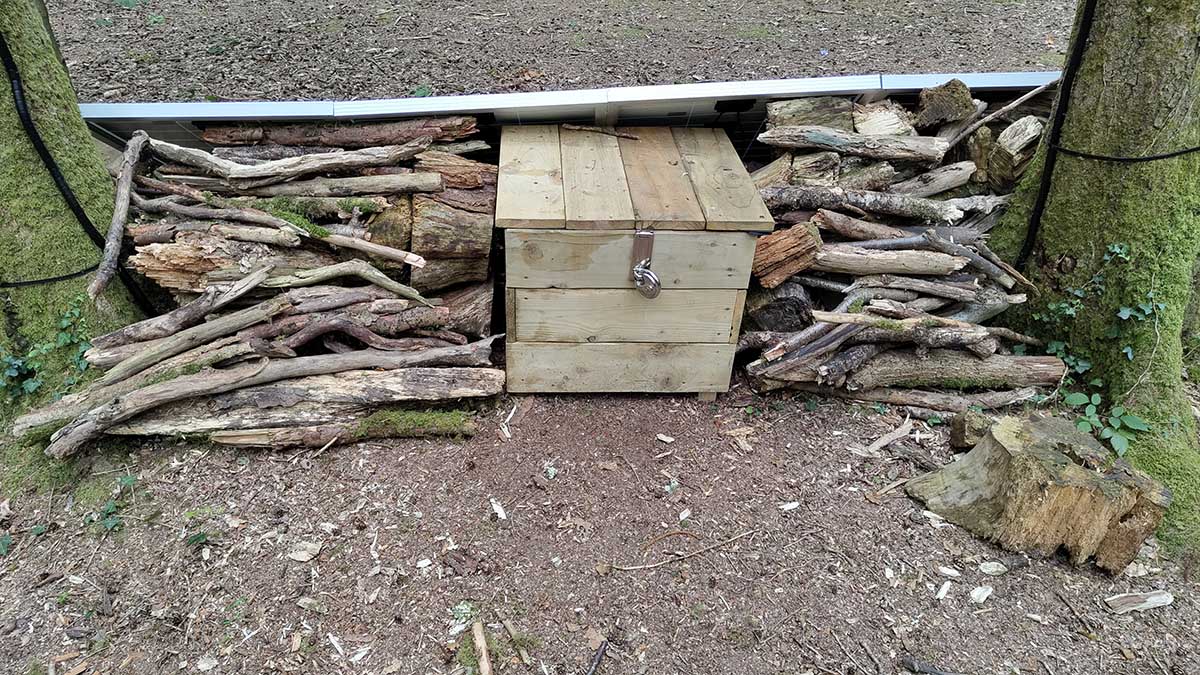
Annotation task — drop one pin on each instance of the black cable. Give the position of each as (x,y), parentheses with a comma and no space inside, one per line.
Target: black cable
(1070,69)
(1127,160)
(60,181)
(48,280)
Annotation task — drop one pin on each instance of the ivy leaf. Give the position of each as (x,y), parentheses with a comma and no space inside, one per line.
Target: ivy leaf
(6,541)
(38,530)
(1076,398)
(1124,313)
(31,385)
(1134,422)
(1128,352)
(1119,443)
(112,523)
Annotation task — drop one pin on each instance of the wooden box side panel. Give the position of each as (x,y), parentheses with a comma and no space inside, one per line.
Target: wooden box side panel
(557,367)
(623,315)
(598,259)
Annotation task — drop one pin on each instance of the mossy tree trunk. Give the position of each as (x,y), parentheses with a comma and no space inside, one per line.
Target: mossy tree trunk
(1136,93)
(39,237)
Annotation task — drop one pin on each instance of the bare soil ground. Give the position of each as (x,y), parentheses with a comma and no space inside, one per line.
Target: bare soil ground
(182,50)
(838,575)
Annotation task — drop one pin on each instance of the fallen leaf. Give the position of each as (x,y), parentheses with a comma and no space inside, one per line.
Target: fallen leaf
(603,569)
(305,551)
(789,506)
(980,594)
(311,604)
(949,572)
(993,568)
(608,466)
(234,522)
(943,591)
(595,638)
(205,663)
(665,438)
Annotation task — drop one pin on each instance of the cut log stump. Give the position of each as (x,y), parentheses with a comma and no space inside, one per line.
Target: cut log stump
(1031,485)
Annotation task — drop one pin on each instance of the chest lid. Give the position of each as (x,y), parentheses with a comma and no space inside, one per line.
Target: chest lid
(630,177)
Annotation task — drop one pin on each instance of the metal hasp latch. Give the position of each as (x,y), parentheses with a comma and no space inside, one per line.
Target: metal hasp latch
(644,279)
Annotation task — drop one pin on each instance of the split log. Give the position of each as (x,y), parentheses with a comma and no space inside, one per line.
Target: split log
(1014,148)
(457,172)
(925,149)
(423,425)
(70,438)
(817,168)
(110,259)
(810,197)
(258,154)
(979,203)
(931,400)
(883,118)
(774,174)
(825,111)
(462,147)
(393,226)
(853,228)
(441,231)
(343,136)
(951,130)
(354,185)
(785,307)
(947,102)
(185,316)
(195,336)
(941,289)
(470,309)
(1027,486)
(980,124)
(197,260)
(937,181)
(448,272)
(834,371)
(781,254)
(865,175)
(956,370)
(979,148)
(848,259)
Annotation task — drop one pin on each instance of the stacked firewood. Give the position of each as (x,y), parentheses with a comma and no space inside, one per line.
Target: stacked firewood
(878,281)
(304,267)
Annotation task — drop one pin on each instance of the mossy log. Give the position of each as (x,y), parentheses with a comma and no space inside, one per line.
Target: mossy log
(948,102)
(825,111)
(342,135)
(945,368)
(1040,486)
(924,149)
(401,424)
(921,398)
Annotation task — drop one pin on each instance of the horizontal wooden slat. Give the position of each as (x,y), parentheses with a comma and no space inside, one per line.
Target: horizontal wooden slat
(594,259)
(551,367)
(623,315)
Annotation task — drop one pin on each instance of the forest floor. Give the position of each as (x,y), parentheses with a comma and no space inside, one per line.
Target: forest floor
(182,50)
(178,558)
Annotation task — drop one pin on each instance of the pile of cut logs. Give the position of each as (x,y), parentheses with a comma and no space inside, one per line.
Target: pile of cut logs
(303,259)
(878,281)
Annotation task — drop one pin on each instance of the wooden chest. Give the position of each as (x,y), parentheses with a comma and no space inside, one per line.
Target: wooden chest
(582,210)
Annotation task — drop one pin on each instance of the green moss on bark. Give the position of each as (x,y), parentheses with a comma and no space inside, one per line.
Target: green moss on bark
(1128,101)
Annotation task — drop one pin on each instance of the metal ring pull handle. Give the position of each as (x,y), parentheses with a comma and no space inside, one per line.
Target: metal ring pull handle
(645,280)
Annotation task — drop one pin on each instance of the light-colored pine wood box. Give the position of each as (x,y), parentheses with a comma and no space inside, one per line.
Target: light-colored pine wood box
(572,202)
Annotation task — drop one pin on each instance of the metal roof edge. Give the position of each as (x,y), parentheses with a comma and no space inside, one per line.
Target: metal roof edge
(221,110)
(976,81)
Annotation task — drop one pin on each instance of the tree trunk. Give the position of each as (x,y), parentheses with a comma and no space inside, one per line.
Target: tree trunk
(1136,93)
(39,236)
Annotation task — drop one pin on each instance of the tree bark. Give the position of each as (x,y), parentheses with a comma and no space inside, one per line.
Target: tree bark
(957,370)
(807,197)
(355,185)
(849,259)
(931,400)
(781,254)
(470,309)
(39,236)
(1135,94)
(925,149)
(322,436)
(339,136)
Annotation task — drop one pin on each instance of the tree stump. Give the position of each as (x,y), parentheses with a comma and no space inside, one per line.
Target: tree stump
(1039,485)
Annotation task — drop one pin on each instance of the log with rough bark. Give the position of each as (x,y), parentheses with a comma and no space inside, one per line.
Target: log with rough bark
(849,259)
(478,200)
(343,136)
(883,118)
(445,273)
(457,172)
(258,154)
(1040,486)
(390,325)
(781,254)
(279,170)
(354,185)
(812,197)
(350,268)
(924,149)
(951,130)
(826,111)
(786,307)
(936,181)
(116,229)
(979,148)
(993,271)
(942,289)
(184,316)
(866,175)
(957,370)
(470,309)
(345,324)
(441,231)
(95,421)
(245,215)
(854,228)
(931,400)
(948,102)
(834,371)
